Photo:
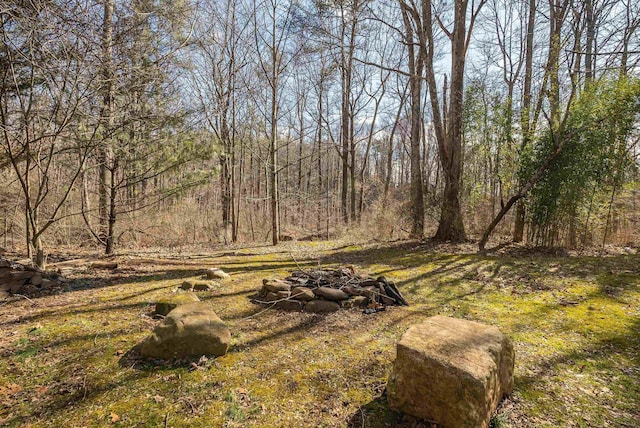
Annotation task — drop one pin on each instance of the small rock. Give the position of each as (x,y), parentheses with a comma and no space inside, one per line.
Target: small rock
(275,285)
(283,294)
(271,297)
(29,290)
(351,290)
(215,273)
(47,283)
(187,285)
(355,302)
(361,301)
(290,305)
(191,330)
(302,293)
(331,293)
(36,279)
(320,306)
(168,303)
(202,286)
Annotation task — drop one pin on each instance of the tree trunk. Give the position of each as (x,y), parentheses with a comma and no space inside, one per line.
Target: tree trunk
(273,163)
(450,227)
(417,196)
(525,118)
(112,210)
(107,114)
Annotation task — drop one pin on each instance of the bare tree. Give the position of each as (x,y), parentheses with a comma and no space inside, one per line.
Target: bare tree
(43,91)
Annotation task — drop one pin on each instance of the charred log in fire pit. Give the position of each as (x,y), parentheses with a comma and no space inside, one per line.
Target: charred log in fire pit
(328,290)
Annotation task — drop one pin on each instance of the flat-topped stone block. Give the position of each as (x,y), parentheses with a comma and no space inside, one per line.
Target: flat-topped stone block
(450,371)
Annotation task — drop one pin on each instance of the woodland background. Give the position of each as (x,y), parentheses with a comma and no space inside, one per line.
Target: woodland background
(195,122)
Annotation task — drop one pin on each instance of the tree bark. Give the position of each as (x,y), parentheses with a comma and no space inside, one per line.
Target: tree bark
(518,229)
(107,115)
(449,132)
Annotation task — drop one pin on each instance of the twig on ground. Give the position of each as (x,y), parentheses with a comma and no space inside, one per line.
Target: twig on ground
(271,305)
(25,297)
(298,264)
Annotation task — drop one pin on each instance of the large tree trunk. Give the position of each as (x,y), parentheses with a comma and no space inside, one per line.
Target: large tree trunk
(450,227)
(416,60)
(107,115)
(273,151)
(417,195)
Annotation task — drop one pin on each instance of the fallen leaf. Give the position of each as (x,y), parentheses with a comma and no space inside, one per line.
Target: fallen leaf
(114,417)
(119,353)
(158,398)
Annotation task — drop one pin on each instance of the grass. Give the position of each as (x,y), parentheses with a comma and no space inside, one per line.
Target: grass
(69,360)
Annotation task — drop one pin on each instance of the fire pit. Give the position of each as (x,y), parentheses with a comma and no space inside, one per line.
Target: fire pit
(328,290)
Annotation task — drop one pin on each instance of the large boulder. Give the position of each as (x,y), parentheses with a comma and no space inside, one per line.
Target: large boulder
(167,303)
(190,330)
(450,371)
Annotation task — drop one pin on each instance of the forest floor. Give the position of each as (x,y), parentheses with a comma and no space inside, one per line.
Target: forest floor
(70,359)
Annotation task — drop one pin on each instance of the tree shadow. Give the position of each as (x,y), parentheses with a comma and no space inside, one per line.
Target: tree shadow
(377,414)
(83,309)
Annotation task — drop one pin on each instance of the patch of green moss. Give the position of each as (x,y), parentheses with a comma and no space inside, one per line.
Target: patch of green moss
(574,324)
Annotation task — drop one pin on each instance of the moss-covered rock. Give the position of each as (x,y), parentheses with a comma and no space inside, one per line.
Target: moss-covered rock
(187,285)
(168,303)
(191,330)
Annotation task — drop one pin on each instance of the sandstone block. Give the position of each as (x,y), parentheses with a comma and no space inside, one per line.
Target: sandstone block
(450,371)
